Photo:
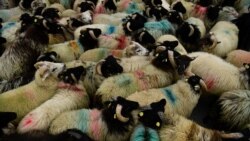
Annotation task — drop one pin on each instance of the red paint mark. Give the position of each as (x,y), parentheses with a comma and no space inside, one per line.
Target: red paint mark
(63,85)
(28,122)
(209,83)
(122,42)
(199,11)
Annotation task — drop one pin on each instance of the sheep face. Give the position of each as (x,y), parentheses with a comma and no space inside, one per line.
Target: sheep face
(117,114)
(48,56)
(25,4)
(208,42)
(133,23)
(86,17)
(144,37)
(109,67)
(175,17)
(167,45)
(110,5)
(51,13)
(74,23)
(152,116)
(196,83)
(89,38)
(152,12)
(178,6)
(152,2)
(46,69)
(213,12)
(53,27)
(182,63)
(136,49)
(72,75)
(86,5)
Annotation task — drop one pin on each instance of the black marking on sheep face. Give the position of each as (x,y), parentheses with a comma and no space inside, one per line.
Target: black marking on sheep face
(213,12)
(54,27)
(170,45)
(152,2)
(51,14)
(133,23)
(144,38)
(114,125)
(48,56)
(194,82)
(74,23)
(188,33)
(85,6)
(175,17)
(110,67)
(38,10)
(87,40)
(110,5)
(151,117)
(73,135)
(162,61)
(179,7)
(182,62)
(26,4)
(72,75)
(26,21)
(152,12)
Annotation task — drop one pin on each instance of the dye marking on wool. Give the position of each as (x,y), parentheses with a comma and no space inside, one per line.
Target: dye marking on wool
(111,29)
(123,80)
(169,94)
(7,26)
(28,122)
(132,8)
(209,83)
(83,120)
(122,42)
(66,3)
(95,126)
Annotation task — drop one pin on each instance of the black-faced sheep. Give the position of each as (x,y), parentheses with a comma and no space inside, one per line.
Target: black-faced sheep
(114,122)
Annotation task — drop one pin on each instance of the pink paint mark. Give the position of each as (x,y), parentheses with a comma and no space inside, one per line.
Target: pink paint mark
(28,122)
(124,3)
(100,9)
(200,11)
(29,95)
(210,83)
(122,42)
(95,125)
(62,85)
(142,82)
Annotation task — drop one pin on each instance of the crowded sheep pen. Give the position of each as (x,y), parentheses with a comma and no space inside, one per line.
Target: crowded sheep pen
(125,70)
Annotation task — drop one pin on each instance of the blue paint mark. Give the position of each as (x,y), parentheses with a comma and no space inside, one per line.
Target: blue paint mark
(164,26)
(169,94)
(133,8)
(226,31)
(80,46)
(111,29)
(66,3)
(7,25)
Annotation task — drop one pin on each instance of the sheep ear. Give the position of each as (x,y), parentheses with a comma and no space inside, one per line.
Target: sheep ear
(99,67)
(39,64)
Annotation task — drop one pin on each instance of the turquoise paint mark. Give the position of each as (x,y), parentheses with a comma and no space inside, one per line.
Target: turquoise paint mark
(83,120)
(142,133)
(80,46)
(164,25)
(111,29)
(7,25)
(4,15)
(169,94)
(133,8)
(226,31)
(66,3)
(123,80)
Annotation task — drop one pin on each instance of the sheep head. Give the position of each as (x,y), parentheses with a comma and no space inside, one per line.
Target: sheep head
(72,75)
(86,17)
(143,37)
(89,38)
(109,67)
(74,23)
(152,3)
(136,49)
(48,56)
(213,12)
(178,6)
(183,64)
(45,69)
(166,45)
(152,116)
(51,13)
(110,5)
(175,17)
(197,83)
(208,42)
(86,5)
(25,4)
(134,22)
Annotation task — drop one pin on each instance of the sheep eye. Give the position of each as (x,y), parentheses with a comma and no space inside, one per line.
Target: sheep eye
(54,69)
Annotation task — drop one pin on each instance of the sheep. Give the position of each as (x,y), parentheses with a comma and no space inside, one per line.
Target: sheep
(148,77)
(100,53)
(68,135)
(183,7)
(175,127)
(181,97)
(242,6)
(35,93)
(29,48)
(71,98)
(233,103)
(83,5)
(171,40)
(114,122)
(144,38)
(238,57)
(190,32)
(112,19)
(132,23)
(221,39)
(72,50)
(218,75)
